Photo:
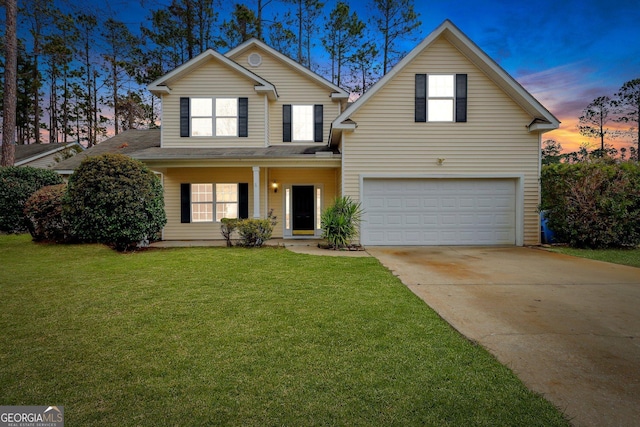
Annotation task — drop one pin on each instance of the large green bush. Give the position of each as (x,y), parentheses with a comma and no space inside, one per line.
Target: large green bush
(593,205)
(17,184)
(115,200)
(340,222)
(43,211)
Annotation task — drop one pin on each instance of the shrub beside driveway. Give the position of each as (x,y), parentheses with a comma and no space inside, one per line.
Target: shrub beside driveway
(218,336)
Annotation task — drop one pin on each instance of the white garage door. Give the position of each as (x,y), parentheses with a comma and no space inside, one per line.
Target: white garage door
(439,212)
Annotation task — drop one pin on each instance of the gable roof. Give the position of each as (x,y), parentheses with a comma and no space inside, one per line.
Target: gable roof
(31,152)
(338,93)
(127,142)
(543,119)
(161,86)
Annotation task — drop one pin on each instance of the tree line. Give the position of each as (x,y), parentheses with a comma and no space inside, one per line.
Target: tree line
(82,71)
(595,123)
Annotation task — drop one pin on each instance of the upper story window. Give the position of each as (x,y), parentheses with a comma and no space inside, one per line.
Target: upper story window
(302,123)
(441,98)
(214,116)
(220,117)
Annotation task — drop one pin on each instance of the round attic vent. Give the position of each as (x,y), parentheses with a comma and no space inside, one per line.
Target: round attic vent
(255,59)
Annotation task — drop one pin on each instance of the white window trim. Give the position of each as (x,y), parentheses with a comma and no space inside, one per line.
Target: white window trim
(214,201)
(293,120)
(451,98)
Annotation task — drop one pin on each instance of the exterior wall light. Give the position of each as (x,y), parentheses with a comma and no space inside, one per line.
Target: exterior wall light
(274,186)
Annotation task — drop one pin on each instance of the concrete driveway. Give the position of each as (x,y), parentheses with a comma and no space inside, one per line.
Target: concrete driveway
(568,327)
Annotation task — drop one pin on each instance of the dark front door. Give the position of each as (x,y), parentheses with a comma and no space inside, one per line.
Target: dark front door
(302,204)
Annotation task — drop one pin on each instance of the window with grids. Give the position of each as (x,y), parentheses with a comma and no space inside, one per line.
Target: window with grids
(214,116)
(226,201)
(208,200)
(201,202)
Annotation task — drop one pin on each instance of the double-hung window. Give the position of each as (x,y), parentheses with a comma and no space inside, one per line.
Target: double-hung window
(208,200)
(441,98)
(214,116)
(302,123)
(226,201)
(201,202)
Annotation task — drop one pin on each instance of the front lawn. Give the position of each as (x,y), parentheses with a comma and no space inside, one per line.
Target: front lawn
(617,256)
(217,336)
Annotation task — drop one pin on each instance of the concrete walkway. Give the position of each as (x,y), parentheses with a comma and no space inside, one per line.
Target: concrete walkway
(302,246)
(568,327)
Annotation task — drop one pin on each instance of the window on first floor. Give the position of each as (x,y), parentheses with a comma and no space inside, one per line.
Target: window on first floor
(209,201)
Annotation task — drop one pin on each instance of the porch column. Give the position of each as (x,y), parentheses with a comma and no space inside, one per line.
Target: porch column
(256,191)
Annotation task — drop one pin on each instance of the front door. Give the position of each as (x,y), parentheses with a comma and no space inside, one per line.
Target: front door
(302,212)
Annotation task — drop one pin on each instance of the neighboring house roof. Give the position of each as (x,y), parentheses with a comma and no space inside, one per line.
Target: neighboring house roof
(127,142)
(339,93)
(163,84)
(543,119)
(26,154)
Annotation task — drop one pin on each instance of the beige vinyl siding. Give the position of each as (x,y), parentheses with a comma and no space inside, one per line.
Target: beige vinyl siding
(293,88)
(174,230)
(494,140)
(173,177)
(326,178)
(212,79)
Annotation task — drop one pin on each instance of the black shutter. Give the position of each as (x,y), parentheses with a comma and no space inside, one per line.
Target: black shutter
(317,123)
(184,117)
(286,123)
(243,200)
(185,203)
(461,97)
(421,98)
(243,117)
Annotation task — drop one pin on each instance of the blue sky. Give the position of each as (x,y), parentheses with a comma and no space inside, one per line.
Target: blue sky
(565,52)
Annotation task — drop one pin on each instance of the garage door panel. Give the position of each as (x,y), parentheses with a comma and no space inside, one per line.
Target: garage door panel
(438,211)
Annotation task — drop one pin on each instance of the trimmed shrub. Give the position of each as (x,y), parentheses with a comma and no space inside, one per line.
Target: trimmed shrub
(43,211)
(254,232)
(593,205)
(17,184)
(115,200)
(341,221)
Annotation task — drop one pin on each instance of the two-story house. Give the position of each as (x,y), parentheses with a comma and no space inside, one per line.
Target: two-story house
(443,150)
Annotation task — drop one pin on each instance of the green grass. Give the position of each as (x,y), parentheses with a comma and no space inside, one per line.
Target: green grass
(617,256)
(217,336)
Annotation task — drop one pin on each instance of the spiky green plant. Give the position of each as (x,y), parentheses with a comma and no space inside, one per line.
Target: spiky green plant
(340,222)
